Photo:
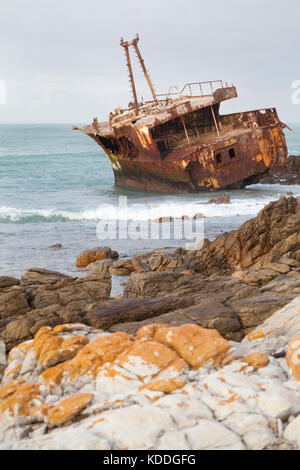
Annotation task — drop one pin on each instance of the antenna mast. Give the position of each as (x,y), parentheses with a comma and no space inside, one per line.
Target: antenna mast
(134,43)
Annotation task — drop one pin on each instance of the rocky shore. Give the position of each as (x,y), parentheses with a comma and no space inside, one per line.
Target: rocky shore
(200,352)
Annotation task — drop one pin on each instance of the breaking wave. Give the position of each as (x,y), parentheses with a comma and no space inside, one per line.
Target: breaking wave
(134,211)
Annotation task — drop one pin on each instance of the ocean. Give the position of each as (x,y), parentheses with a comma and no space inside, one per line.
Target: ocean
(56,184)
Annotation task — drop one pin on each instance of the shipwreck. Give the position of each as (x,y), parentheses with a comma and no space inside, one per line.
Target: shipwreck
(179,142)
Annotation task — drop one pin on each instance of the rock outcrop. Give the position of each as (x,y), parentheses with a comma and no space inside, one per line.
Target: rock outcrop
(95,254)
(13,300)
(179,388)
(101,314)
(45,288)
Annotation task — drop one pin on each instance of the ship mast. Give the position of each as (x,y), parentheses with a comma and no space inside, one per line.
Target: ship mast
(126,45)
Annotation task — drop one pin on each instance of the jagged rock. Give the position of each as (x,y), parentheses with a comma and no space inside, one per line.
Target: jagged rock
(7,281)
(95,254)
(21,328)
(34,278)
(260,243)
(252,311)
(101,266)
(45,288)
(121,268)
(13,301)
(152,284)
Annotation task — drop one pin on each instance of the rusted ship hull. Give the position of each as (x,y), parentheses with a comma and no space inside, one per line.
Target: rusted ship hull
(245,148)
(179,142)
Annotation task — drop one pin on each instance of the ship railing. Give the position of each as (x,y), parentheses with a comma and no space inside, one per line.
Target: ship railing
(195,89)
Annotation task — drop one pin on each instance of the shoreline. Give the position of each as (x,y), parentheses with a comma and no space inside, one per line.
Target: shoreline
(215,327)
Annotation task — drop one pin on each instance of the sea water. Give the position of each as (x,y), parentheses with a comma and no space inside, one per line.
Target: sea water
(56,184)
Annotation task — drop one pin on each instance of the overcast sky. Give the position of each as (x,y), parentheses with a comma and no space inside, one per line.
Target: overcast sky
(62,62)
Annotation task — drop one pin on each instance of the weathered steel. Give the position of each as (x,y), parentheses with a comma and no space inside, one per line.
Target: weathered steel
(136,47)
(128,61)
(181,143)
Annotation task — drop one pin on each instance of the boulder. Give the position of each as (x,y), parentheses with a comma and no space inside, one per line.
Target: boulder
(75,293)
(7,281)
(152,284)
(45,288)
(252,311)
(121,268)
(13,301)
(101,266)
(95,254)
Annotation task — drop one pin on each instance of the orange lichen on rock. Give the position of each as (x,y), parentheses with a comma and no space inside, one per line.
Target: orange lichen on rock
(165,385)
(146,332)
(40,411)
(10,389)
(66,350)
(68,408)
(293,357)
(61,329)
(22,401)
(90,256)
(20,350)
(14,371)
(197,346)
(149,353)
(54,374)
(95,354)
(258,335)
(257,360)
(45,341)
(232,398)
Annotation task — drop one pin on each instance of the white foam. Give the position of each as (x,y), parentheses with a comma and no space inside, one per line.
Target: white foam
(245,204)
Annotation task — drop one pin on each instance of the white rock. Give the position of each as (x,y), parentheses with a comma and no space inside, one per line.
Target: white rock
(258,440)
(173,440)
(134,427)
(184,410)
(252,427)
(274,406)
(292,431)
(212,435)
(285,322)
